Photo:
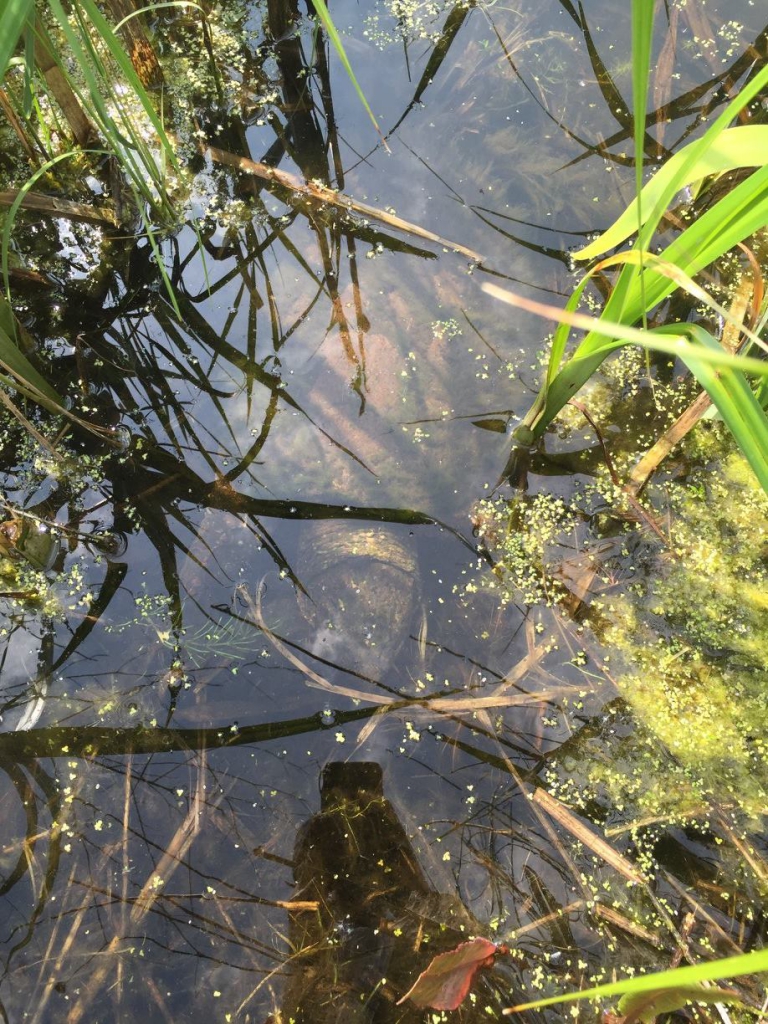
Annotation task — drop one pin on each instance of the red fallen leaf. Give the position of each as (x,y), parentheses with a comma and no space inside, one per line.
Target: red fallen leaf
(445,983)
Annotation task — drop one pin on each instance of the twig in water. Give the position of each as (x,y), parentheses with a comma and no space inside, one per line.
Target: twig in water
(313,678)
(557,810)
(315,190)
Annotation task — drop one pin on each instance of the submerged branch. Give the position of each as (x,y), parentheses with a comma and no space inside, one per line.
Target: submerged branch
(55,207)
(314,190)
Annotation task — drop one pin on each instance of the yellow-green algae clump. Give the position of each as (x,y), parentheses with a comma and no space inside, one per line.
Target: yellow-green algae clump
(682,630)
(693,639)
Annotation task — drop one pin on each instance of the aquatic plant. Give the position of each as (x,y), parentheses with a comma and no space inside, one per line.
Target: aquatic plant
(693,671)
(647,278)
(102,98)
(642,997)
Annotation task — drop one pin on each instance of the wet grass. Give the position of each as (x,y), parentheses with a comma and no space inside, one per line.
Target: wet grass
(648,277)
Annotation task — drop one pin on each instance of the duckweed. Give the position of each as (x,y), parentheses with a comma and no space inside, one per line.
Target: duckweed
(682,627)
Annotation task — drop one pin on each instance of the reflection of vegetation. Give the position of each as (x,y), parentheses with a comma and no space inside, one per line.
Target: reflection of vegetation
(211,490)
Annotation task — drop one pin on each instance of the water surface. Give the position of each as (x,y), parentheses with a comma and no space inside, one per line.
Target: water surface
(333,370)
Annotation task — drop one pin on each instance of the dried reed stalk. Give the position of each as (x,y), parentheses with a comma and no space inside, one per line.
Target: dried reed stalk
(315,190)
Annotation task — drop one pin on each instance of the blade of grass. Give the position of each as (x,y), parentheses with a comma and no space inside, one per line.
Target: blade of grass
(697,150)
(21,368)
(327,23)
(616,334)
(15,16)
(745,146)
(735,400)
(682,280)
(718,371)
(740,213)
(642,35)
(124,139)
(734,966)
(121,58)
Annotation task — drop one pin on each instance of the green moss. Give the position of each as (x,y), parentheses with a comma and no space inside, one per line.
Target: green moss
(527,538)
(694,640)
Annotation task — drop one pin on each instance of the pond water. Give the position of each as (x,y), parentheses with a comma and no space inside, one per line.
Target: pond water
(278,570)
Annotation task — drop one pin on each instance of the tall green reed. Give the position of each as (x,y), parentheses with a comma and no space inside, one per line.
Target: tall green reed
(645,280)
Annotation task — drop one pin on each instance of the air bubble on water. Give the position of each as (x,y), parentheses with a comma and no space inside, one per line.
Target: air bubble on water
(123,436)
(328,716)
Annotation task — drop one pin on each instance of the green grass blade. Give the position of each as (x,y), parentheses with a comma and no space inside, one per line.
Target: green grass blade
(682,280)
(746,146)
(10,218)
(718,371)
(333,35)
(156,7)
(659,197)
(22,370)
(562,333)
(123,139)
(734,399)
(735,217)
(16,14)
(696,151)
(615,334)
(642,36)
(120,57)
(731,967)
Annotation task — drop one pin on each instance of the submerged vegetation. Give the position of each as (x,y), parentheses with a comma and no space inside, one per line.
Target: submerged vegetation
(692,671)
(223,377)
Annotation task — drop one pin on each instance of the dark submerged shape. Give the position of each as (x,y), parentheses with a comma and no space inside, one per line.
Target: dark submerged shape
(378,922)
(361,589)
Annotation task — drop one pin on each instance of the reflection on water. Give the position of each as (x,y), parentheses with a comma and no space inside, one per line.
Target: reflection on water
(374,917)
(274,578)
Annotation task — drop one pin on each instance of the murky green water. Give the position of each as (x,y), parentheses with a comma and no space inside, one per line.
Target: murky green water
(323,420)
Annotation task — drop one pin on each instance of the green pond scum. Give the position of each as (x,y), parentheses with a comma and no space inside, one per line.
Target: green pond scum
(683,641)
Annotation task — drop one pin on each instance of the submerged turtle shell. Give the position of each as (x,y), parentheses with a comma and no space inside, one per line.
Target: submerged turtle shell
(361,591)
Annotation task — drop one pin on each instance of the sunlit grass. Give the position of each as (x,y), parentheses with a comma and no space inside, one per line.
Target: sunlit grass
(645,280)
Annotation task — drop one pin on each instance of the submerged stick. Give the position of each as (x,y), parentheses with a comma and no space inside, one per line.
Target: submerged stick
(467,704)
(315,190)
(561,814)
(54,207)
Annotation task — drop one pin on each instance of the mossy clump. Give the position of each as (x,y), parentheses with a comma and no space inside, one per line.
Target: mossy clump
(527,538)
(693,639)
